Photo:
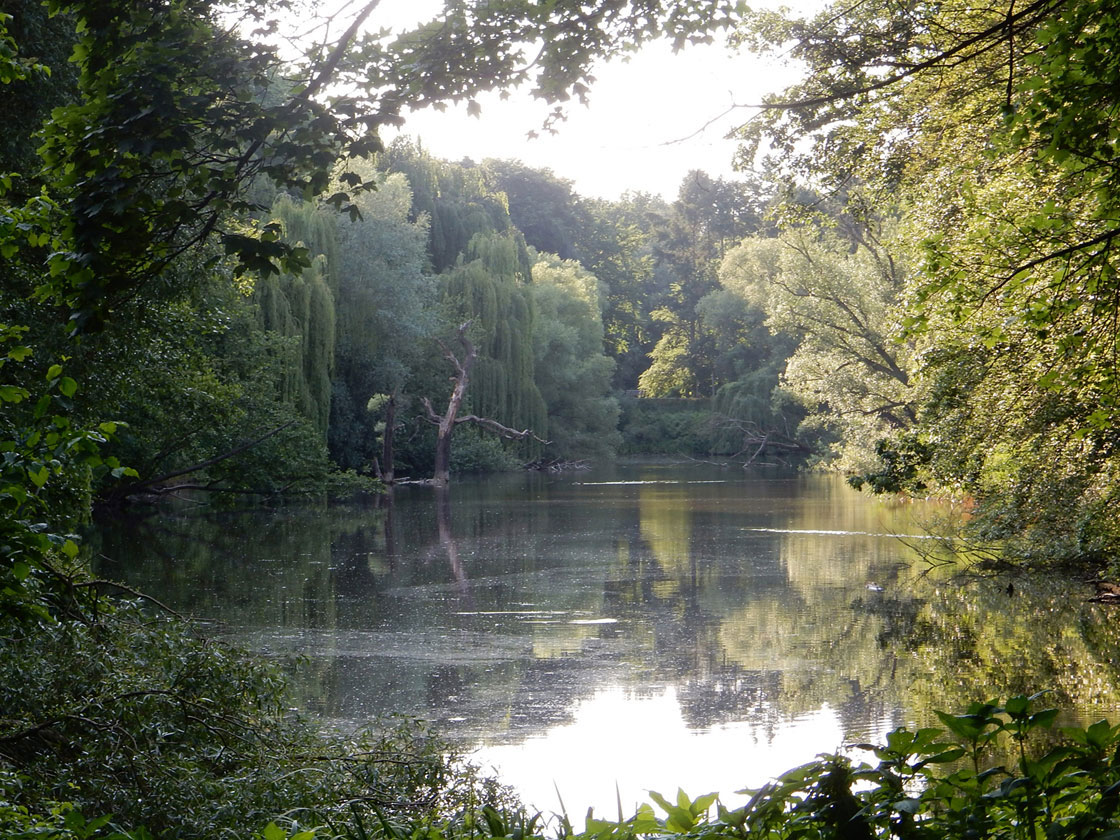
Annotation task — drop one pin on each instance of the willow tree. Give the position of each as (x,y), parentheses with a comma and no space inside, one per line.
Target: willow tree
(489,288)
(457,200)
(572,371)
(386,316)
(301,308)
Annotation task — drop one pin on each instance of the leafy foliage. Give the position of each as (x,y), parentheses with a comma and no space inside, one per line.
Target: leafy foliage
(848,370)
(490,288)
(572,372)
(986,131)
(128,714)
(386,315)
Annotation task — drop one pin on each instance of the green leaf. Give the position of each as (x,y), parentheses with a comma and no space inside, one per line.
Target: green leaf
(944,757)
(701,804)
(1045,718)
(1100,734)
(273,832)
(68,386)
(39,477)
(968,727)
(42,405)
(661,800)
(683,801)
(13,394)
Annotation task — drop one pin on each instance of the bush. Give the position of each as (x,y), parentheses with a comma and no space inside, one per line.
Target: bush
(665,427)
(475,451)
(996,771)
(119,712)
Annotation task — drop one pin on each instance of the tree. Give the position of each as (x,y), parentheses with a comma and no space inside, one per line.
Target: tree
(617,247)
(446,422)
(848,370)
(572,371)
(174,121)
(990,127)
(458,200)
(302,307)
(490,289)
(386,315)
(541,206)
(688,244)
(178,115)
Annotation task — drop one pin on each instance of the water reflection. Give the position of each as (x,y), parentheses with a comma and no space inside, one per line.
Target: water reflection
(616,746)
(698,627)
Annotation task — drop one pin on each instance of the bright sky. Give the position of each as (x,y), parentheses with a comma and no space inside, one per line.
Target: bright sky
(646,126)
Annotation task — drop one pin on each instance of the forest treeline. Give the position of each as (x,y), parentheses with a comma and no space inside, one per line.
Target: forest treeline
(218,278)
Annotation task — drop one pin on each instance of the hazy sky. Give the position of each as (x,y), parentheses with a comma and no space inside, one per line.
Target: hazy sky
(630,137)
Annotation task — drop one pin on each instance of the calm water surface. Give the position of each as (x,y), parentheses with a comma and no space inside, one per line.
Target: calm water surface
(645,626)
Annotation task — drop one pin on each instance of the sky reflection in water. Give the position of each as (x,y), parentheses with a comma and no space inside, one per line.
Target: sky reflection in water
(643,743)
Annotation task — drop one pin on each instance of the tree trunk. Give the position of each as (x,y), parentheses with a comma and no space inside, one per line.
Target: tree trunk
(385,472)
(441,473)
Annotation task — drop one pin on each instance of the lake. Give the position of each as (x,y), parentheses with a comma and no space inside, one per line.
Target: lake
(599,634)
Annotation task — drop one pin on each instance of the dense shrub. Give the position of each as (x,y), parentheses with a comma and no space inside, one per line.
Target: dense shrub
(665,427)
(123,713)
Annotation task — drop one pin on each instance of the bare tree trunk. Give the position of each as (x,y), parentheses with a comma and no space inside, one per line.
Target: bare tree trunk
(385,470)
(441,474)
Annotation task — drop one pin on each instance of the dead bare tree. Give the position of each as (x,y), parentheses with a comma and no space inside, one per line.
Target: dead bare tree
(759,439)
(446,423)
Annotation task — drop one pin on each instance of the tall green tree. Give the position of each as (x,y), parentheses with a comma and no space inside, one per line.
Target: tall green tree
(990,128)
(848,369)
(302,307)
(386,315)
(459,200)
(541,205)
(708,216)
(616,246)
(490,290)
(571,369)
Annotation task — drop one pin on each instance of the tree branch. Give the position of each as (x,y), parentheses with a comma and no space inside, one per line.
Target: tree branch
(504,431)
(1007,23)
(138,486)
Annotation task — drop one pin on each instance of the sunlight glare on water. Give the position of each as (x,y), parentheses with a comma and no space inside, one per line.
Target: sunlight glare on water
(643,743)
